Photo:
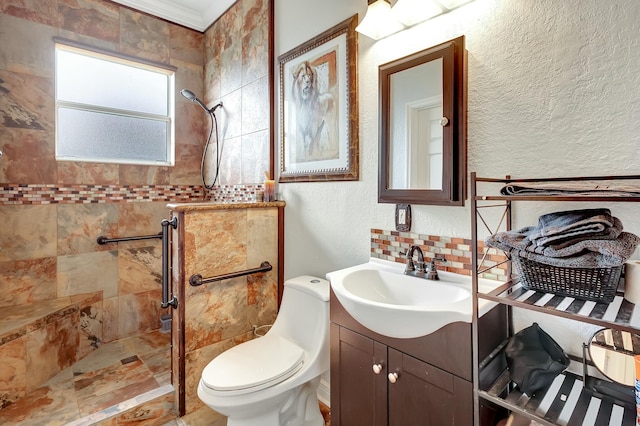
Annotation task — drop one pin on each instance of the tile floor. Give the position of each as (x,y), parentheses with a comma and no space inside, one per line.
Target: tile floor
(326,413)
(95,386)
(102,387)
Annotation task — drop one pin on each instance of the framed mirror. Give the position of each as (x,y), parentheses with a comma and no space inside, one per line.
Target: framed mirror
(612,353)
(423,114)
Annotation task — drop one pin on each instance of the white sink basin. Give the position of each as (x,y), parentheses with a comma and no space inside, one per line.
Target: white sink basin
(380,297)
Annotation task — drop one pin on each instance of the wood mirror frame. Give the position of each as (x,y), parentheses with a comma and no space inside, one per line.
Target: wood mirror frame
(454,107)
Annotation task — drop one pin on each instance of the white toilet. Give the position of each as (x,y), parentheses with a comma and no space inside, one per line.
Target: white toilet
(272,380)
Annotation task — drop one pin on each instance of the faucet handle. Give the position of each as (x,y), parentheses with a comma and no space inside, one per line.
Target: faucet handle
(410,266)
(438,258)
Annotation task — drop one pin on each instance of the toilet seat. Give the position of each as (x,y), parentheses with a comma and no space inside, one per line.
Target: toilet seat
(253,365)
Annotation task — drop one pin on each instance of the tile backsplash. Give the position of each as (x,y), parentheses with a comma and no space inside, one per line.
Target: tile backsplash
(11,194)
(393,246)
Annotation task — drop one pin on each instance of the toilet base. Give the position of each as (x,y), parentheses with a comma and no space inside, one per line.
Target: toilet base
(304,409)
(300,408)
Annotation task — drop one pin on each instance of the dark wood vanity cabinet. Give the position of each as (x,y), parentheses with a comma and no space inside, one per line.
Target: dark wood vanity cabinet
(426,395)
(433,384)
(358,395)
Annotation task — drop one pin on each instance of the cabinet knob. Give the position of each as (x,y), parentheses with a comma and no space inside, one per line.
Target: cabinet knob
(377,368)
(393,377)
(444,121)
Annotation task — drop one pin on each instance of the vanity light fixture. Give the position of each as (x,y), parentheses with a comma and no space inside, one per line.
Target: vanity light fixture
(412,12)
(382,19)
(378,22)
(453,4)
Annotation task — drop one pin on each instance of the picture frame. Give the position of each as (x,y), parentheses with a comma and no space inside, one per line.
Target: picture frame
(318,108)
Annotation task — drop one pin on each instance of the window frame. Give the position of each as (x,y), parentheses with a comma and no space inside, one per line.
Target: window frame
(126,60)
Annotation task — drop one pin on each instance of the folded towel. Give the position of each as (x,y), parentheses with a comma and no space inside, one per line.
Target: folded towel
(588,238)
(590,253)
(528,238)
(555,246)
(624,188)
(583,254)
(566,224)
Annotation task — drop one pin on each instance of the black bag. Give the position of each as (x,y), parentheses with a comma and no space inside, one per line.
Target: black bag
(534,359)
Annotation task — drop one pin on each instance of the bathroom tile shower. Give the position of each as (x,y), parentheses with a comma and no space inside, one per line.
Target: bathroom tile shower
(89,296)
(65,298)
(86,393)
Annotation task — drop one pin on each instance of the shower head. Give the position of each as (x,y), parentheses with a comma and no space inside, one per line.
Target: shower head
(188,94)
(193,98)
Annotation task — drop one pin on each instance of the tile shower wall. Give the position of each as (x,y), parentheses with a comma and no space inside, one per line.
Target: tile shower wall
(52,212)
(236,72)
(393,246)
(214,317)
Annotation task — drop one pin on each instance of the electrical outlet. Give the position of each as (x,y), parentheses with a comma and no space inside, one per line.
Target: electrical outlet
(403,217)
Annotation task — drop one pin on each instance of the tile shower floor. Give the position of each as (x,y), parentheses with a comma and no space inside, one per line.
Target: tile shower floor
(113,373)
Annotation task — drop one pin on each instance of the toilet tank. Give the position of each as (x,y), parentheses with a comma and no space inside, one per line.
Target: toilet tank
(303,317)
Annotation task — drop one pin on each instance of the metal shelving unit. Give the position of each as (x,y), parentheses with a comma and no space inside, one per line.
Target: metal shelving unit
(571,399)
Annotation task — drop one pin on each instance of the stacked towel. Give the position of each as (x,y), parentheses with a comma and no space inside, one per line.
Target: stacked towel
(570,225)
(589,238)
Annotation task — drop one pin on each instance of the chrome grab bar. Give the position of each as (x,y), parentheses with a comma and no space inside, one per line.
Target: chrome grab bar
(196,279)
(102,240)
(165,263)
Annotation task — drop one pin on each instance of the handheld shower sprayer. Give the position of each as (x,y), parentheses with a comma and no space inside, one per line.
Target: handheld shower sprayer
(193,98)
(214,126)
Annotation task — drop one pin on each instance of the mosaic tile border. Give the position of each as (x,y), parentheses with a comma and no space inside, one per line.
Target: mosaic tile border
(393,245)
(34,194)
(236,193)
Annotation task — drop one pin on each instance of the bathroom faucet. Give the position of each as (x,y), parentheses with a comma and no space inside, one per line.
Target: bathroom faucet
(432,271)
(417,269)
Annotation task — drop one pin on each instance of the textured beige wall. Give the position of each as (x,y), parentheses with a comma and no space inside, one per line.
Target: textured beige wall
(553,91)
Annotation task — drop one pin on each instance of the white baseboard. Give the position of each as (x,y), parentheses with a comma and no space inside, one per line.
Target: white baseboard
(324,392)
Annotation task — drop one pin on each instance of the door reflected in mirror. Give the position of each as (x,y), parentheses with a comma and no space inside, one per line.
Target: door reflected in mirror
(423,127)
(416,119)
(612,353)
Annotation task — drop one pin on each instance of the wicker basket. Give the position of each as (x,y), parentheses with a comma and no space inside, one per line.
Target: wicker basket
(596,284)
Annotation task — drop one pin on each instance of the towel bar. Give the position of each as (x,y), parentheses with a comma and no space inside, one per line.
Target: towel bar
(102,240)
(196,279)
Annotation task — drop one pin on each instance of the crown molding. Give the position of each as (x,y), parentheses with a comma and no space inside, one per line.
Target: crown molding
(195,14)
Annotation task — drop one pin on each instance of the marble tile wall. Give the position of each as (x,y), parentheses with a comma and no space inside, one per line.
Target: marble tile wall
(52,212)
(220,315)
(43,339)
(44,254)
(393,245)
(236,72)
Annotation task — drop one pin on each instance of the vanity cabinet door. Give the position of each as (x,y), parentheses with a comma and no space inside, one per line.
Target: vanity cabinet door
(358,394)
(424,395)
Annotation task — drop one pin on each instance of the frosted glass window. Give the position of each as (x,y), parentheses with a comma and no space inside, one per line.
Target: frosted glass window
(112,110)
(99,135)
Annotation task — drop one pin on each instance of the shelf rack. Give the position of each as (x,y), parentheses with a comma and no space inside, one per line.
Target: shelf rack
(567,401)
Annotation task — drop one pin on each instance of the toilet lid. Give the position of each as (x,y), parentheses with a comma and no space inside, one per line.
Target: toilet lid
(253,365)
